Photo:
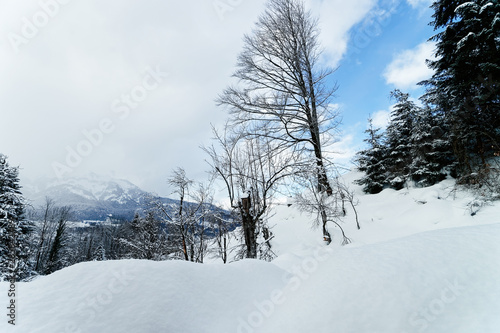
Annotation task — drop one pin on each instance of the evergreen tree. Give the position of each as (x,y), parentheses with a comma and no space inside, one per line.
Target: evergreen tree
(399,146)
(370,161)
(430,149)
(465,86)
(147,238)
(99,253)
(14,229)
(56,257)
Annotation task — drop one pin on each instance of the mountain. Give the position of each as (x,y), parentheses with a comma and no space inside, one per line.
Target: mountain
(93,197)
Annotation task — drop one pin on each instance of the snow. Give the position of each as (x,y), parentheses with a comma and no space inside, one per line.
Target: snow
(464,40)
(464,6)
(427,281)
(420,263)
(485,7)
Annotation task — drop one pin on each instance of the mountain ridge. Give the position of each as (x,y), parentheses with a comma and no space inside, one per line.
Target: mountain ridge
(93,196)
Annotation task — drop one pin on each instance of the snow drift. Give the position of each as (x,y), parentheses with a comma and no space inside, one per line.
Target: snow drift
(420,263)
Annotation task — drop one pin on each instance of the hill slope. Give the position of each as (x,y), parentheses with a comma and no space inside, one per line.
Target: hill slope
(413,267)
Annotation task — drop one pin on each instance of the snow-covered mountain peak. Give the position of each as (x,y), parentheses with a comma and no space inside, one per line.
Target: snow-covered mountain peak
(98,193)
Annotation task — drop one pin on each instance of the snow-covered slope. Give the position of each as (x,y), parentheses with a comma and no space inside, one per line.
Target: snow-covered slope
(413,267)
(439,281)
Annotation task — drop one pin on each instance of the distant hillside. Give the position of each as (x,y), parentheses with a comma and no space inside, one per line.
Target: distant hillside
(93,197)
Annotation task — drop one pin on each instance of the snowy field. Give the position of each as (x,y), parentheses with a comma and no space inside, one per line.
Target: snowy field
(420,263)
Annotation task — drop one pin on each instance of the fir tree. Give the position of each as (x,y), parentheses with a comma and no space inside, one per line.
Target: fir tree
(14,229)
(399,146)
(56,251)
(370,161)
(147,238)
(430,149)
(99,253)
(465,86)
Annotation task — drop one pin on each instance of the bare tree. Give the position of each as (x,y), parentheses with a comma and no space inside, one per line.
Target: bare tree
(44,231)
(181,184)
(222,226)
(187,221)
(283,94)
(252,169)
(327,208)
(347,195)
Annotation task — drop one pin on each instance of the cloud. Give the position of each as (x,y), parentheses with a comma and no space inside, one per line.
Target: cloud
(343,151)
(337,17)
(380,119)
(420,4)
(408,67)
(76,58)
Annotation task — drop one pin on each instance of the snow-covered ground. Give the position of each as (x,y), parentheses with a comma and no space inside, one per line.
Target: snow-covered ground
(420,263)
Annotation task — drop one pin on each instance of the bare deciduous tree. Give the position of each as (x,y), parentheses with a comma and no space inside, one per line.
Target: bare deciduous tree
(283,94)
(252,169)
(187,221)
(43,231)
(328,208)
(221,231)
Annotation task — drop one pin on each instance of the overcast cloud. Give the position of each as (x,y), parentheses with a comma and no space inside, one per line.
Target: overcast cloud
(128,87)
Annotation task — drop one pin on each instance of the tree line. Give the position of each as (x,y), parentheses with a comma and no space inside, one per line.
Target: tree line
(456,131)
(41,240)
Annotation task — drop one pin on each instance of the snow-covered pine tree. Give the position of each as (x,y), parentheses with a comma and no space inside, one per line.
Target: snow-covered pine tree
(370,161)
(430,149)
(398,134)
(466,81)
(99,253)
(147,238)
(14,229)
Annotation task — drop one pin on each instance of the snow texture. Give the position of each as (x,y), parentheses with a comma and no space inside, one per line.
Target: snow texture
(420,263)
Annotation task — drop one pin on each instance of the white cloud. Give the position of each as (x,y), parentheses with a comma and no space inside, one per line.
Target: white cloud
(343,151)
(64,79)
(337,17)
(408,67)
(380,119)
(420,4)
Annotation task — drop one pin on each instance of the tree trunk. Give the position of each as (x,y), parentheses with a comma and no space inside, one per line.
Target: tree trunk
(248,228)
(250,241)
(184,246)
(326,235)
(224,251)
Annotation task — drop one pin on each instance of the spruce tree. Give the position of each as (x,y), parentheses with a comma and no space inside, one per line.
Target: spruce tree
(399,146)
(430,149)
(14,229)
(370,161)
(99,253)
(465,86)
(147,238)
(56,258)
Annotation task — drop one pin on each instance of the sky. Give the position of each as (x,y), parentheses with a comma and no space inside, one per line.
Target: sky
(127,88)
